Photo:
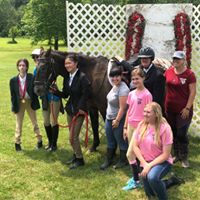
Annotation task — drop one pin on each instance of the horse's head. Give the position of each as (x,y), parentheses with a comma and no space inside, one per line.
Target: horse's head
(45,74)
(126,76)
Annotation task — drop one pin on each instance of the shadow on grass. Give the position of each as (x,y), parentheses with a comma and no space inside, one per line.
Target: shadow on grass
(48,157)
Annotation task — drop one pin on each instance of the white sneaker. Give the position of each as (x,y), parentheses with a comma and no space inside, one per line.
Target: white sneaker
(185,164)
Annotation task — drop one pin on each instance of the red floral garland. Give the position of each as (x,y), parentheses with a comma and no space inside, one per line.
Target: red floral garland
(134,34)
(183,35)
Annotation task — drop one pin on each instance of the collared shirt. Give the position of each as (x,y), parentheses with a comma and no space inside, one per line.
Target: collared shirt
(146,70)
(71,77)
(22,83)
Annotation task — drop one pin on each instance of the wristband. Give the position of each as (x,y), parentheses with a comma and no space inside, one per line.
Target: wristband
(125,127)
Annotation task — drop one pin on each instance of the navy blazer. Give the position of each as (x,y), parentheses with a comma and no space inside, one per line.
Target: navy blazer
(155,83)
(15,95)
(78,93)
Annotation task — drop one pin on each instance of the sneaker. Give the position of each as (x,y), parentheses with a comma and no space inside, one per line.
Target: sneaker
(132,185)
(185,164)
(175,159)
(130,180)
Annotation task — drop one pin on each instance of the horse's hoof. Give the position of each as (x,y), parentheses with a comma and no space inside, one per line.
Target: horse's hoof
(93,149)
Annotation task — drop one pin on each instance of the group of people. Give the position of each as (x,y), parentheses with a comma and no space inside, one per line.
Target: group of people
(134,119)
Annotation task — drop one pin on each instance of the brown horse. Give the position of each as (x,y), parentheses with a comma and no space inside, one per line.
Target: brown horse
(51,64)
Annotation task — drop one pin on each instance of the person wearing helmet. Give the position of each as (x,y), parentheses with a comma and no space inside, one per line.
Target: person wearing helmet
(154,79)
(49,102)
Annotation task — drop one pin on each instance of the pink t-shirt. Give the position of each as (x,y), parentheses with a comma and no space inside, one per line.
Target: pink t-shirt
(149,149)
(136,101)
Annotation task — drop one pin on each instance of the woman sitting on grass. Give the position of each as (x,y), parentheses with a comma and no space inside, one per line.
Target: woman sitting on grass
(152,146)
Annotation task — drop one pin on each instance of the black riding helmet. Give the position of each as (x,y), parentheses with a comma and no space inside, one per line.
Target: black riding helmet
(146,52)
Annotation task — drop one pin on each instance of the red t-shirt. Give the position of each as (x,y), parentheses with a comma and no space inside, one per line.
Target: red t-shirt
(177,93)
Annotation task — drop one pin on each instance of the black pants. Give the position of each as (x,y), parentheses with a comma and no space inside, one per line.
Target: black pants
(181,141)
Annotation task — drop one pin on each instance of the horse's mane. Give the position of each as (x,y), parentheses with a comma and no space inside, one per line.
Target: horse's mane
(84,60)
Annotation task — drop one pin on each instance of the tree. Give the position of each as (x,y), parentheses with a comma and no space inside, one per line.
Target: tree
(19,3)
(7,16)
(13,32)
(45,20)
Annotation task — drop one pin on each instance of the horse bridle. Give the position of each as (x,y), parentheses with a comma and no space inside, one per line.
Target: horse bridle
(48,82)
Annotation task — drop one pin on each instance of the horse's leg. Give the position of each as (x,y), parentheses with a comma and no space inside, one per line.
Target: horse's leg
(94,117)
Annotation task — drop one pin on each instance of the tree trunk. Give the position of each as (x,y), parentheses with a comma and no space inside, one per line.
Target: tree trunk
(56,43)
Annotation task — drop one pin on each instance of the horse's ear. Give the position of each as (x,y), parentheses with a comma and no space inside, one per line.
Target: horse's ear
(48,53)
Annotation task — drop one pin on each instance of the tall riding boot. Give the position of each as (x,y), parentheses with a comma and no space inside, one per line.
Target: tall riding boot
(122,160)
(49,136)
(55,131)
(109,158)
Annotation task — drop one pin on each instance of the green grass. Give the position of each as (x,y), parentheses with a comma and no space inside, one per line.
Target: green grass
(37,175)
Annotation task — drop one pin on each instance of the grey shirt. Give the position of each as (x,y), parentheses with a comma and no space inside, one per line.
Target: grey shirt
(113,100)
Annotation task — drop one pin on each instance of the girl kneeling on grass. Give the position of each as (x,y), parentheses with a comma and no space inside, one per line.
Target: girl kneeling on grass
(152,146)
(137,99)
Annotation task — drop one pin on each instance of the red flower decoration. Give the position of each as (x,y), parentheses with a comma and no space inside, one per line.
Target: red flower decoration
(134,34)
(183,35)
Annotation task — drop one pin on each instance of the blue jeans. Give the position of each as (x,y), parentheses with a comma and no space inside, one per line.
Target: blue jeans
(115,135)
(153,184)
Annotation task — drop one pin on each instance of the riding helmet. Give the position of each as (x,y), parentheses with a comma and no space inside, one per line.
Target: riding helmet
(146,52)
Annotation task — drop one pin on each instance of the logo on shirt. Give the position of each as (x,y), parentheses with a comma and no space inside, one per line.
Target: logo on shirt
(139,101)
(183,80)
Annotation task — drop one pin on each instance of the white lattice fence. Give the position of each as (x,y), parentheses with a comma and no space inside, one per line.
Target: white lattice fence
(196,65)
(100,30)
(96,29)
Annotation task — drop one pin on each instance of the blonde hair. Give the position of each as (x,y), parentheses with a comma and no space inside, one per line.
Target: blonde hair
(159,119)
(138,72)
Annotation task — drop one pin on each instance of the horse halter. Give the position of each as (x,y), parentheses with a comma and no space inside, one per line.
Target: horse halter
(49,63)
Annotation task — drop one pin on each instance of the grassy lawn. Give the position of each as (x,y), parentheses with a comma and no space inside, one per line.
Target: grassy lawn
(35,175)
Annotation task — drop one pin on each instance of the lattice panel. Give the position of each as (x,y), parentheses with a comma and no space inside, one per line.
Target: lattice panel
(195,65)
(96,29)
(100,30)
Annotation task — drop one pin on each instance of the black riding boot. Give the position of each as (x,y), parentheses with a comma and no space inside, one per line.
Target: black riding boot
(55,131)
(122,160)
(49,136)
(109,158)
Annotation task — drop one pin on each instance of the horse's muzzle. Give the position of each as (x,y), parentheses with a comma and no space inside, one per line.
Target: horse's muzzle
(39,90)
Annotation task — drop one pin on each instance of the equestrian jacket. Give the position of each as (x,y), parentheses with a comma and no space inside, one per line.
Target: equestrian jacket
(78,93)
(155,83)
(15,95)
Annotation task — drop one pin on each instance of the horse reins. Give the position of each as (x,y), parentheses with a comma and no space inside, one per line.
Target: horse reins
(72,124)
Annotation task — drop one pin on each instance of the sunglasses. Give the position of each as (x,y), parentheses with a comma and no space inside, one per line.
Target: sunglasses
(35,57)
(177,58)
